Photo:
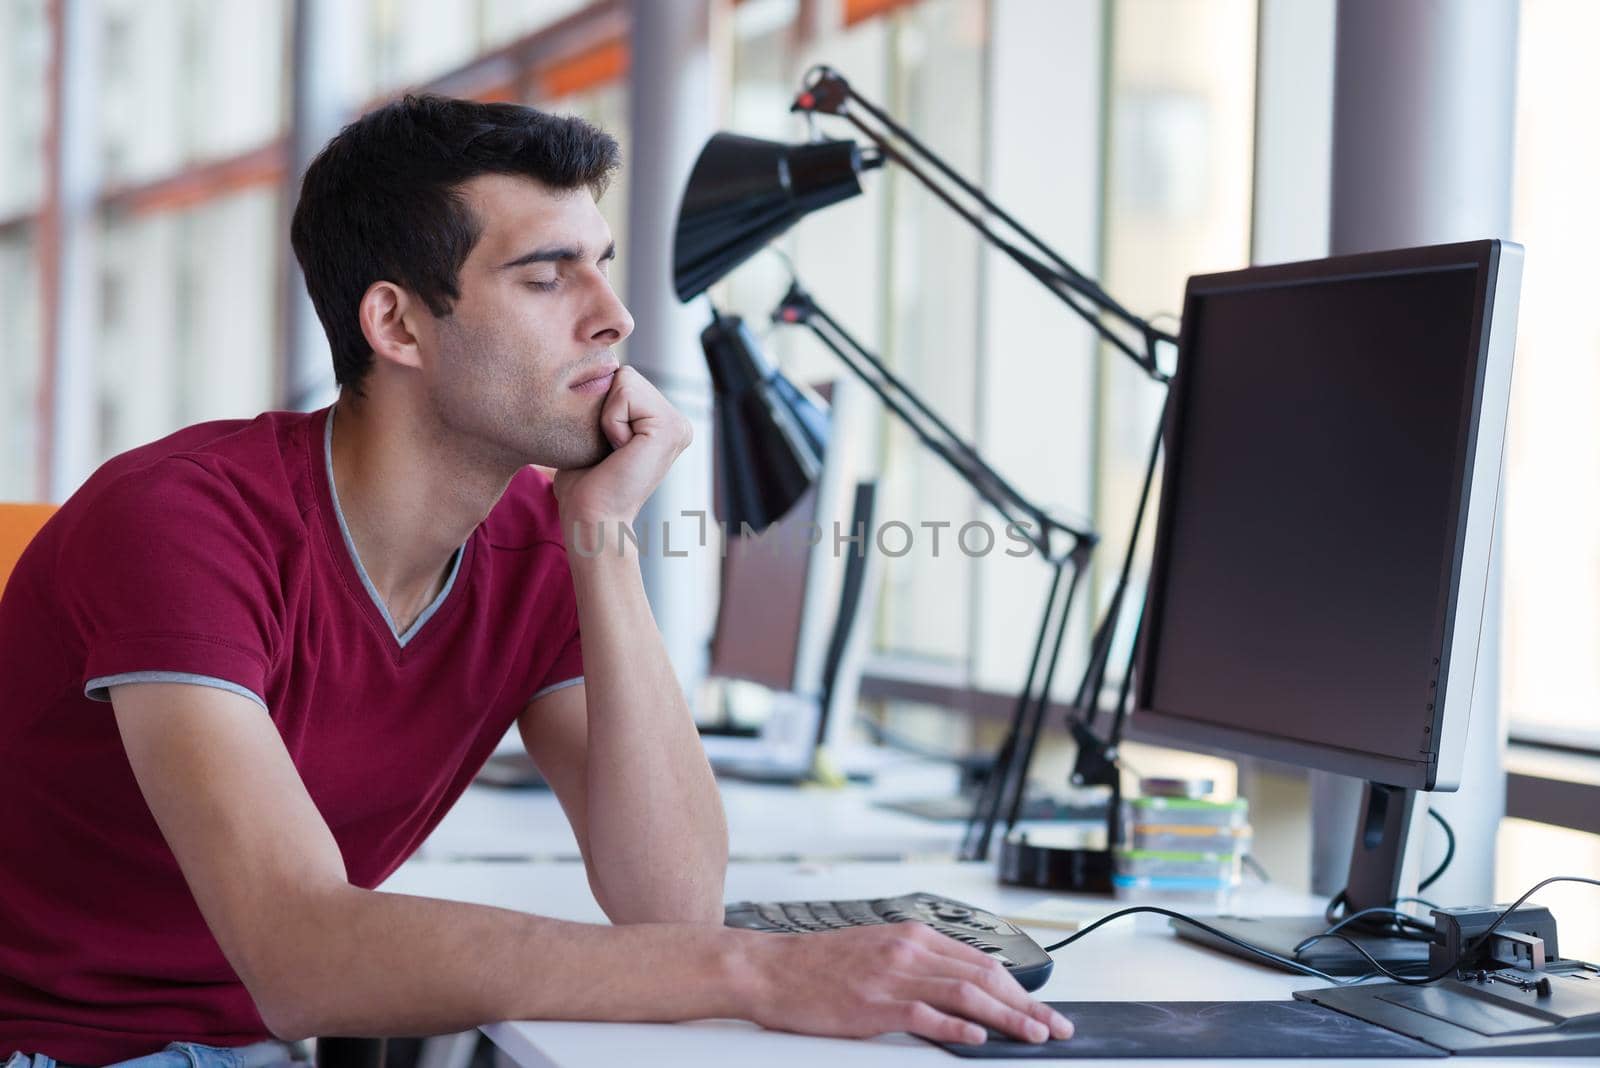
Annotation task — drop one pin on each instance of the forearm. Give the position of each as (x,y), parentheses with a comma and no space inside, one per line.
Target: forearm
(657,836)
(364,962)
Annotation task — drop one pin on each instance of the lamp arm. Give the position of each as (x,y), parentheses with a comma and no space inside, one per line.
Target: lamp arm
(1088,696)
(1096,759)
(828,92)
(800,308)
(1070,289)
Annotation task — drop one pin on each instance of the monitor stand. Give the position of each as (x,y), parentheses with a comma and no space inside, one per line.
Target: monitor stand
(1280,934)
(1374,881)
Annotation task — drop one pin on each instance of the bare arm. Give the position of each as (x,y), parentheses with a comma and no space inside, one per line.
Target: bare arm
(622,754)
(657,839)
(320,956)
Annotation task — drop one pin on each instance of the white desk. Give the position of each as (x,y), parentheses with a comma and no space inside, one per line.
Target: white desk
(1132,959)
(765,822)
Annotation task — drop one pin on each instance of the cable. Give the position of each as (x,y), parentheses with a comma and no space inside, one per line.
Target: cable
(1399,919)
(1409,980)
(1449,851)
(1339,900)
(1476,943)
(1417,901)
(1515,905)
(1254,865)
(1408,927)
(1334,933)
(1265,954)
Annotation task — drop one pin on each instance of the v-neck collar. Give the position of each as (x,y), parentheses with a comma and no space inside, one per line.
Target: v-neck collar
(354,557)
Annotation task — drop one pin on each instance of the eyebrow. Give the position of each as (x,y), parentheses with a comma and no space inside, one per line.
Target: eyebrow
(556,254)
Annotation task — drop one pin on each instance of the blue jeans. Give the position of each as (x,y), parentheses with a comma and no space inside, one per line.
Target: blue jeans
(194,1055)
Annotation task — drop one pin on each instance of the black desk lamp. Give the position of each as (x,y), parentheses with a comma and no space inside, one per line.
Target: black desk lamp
(742,194)
(770,433)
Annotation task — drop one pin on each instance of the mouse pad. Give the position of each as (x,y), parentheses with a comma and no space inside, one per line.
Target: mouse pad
(1205,1029)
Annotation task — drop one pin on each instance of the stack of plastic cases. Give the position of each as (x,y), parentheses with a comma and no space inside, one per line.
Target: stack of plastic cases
(1182,848)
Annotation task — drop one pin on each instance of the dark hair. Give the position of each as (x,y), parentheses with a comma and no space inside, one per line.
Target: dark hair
(382,201)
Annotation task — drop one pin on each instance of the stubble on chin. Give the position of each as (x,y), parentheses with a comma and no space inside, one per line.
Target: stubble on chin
(561,440)
(557,433)
(582,444)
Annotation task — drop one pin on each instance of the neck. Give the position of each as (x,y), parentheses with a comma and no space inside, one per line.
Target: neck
(408,499)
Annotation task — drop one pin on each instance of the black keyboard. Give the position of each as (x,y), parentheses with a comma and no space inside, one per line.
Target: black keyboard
(1024,959)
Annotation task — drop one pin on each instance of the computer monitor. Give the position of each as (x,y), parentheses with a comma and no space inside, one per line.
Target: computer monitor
(787,647)
(1321,555)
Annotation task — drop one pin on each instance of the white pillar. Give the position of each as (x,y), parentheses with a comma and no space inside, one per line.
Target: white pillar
(671,114)
(1294,130)
(325,33)
(74,438)
(1424,94)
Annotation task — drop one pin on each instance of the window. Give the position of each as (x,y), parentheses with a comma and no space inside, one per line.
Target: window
(185,82)
(189,318)
(396,44)
(186,283)
(181,298)
(931,333)
(893,266)
(410,41)
(500,21)
(19,366)
(1178,202)
(989,349)
(1551,680)
(24,60)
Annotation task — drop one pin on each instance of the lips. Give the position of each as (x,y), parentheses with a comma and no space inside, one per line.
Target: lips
(597,381)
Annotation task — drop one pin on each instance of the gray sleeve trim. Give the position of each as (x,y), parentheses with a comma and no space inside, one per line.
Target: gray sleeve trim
(554,686)
(99,689)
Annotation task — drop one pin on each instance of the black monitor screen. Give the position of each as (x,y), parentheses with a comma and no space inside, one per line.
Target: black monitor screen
(1310,514)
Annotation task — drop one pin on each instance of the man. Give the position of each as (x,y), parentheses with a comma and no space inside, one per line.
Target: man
(313,629)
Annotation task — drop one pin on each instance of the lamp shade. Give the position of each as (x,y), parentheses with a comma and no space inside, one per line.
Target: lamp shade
(743,192)
(770,434)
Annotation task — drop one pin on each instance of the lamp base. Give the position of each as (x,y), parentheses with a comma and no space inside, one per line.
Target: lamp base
(1041,867)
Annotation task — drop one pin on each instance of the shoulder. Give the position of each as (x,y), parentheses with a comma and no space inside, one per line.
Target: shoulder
(152,518)
(229,481)
(526,515)
(174,559)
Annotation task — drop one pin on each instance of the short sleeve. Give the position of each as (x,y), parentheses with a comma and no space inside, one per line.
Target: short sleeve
(561,633)
(168,576)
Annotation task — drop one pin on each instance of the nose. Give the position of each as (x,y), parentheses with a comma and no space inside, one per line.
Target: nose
(611,321)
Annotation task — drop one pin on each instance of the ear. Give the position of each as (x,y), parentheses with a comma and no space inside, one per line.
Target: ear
(391,320)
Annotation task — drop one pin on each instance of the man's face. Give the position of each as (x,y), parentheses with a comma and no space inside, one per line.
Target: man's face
(516,361)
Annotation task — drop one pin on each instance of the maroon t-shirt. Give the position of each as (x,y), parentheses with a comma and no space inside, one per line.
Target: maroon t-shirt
(219,556)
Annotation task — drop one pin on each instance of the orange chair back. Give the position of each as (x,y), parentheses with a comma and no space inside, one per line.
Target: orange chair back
(18,524)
